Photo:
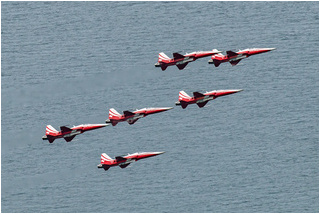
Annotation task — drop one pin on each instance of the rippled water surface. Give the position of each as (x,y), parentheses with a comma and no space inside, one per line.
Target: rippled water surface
(69,62)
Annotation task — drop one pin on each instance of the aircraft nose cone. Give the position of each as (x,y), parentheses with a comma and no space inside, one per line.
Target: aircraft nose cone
(163,109)
(271,49)
(238,90)
(153,153)
(103,125)
(168,108)
(159,153)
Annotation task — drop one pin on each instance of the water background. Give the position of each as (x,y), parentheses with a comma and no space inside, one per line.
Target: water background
(69,62)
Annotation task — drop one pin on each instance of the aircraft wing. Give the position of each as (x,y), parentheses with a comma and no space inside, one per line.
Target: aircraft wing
(124,165)
(132,121)
(197,94)
(233,63)
(231,53)
(182,66)
(128,113)
(68,139)
(202,104)
(177,56)
(120,158)
(65,129)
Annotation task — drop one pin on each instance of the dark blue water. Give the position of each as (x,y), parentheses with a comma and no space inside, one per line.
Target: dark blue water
(69,62)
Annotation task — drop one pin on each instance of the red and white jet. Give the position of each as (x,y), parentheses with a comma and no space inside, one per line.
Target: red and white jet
(124,161)
(181,61)
(235,57)
(69,133)
(132,117)
(202,99)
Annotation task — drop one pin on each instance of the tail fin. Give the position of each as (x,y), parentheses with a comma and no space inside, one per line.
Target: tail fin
(233,63)
(50,130)
(163,57)
(183,96)
(105,158)
(113,114)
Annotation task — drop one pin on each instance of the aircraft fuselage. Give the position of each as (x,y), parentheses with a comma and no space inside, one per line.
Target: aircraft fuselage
(124,161)
(182,60)
(76,130)
(235,57)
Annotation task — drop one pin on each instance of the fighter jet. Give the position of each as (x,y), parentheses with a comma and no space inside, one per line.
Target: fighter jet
(124,161)
(181,61)
(69,133)
(201,99)
(235,57)
(132,117)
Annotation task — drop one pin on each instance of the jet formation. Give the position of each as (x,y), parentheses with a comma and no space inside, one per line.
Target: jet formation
(123,161)
(201,99)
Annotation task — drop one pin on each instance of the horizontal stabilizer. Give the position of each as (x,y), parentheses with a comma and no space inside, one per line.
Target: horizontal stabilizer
(231,53)
(233,63)
(68,139)
(163,67)
(119,158)
(202,104)
(50,138)
(128,113)
(177,56)
(182,66)
(105,167)
(65,129)
(183,104)
(124,165)
(114,122)
(197,94)
(216,63)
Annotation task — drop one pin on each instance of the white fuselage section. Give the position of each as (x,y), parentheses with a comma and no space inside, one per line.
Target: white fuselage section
(205,99)
(127,161)
(240,56)
(185,60)
(137,116)
(74,132)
